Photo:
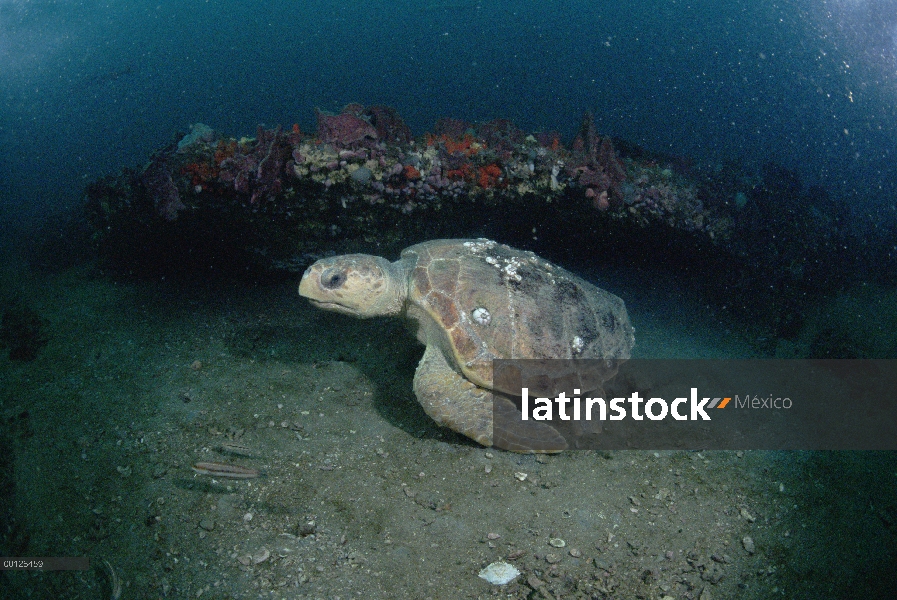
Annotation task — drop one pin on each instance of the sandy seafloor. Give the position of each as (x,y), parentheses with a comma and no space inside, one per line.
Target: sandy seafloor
(362,495)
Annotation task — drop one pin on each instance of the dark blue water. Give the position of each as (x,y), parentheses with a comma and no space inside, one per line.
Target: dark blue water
(88,87)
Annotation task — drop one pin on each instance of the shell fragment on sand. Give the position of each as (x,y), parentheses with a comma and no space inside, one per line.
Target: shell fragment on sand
(225,470)
(499,573)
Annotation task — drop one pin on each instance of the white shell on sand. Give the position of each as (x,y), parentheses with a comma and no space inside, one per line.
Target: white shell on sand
(499,573)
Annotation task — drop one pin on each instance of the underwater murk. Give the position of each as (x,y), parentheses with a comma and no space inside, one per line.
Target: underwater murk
(260,364)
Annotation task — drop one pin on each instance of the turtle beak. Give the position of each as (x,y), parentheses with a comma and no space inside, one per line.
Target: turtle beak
(334,307)
(310,280)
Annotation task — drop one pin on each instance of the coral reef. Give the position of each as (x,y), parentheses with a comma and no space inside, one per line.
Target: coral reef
(595,166)
(345,130)
(389,125)
(256,167)
(157,180)
(199,132)
(362,175)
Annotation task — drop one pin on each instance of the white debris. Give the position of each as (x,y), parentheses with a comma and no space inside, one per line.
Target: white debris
(499,573)
(555,171)
(480,245)
(481,316)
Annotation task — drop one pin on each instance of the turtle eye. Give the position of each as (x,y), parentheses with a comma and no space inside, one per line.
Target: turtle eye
(333,278)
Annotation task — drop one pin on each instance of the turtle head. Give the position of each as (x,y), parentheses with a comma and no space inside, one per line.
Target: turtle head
(356,284)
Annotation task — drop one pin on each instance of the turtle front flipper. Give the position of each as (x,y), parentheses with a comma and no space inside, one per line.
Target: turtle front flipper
(456,403)
(451,400)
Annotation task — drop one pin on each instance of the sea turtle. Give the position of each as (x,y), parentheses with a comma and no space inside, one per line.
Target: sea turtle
(474,301)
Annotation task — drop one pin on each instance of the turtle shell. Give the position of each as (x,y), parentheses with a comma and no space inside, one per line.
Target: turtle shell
(481,301)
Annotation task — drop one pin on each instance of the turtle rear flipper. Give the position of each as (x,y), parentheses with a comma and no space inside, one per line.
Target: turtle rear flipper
(510,432)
